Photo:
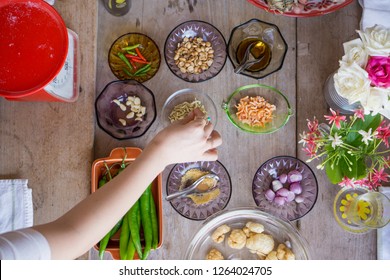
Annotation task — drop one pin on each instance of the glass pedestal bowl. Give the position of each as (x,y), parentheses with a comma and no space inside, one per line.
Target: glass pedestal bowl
(281,115)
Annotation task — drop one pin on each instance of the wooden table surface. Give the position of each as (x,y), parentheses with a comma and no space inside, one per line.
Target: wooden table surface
(54,144)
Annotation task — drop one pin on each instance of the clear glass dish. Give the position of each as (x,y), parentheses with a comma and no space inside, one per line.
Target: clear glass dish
(282,232)
(189,95)
(269,171)
(260,30)
(185,205)
(209,33)
(108,113)
(281,115)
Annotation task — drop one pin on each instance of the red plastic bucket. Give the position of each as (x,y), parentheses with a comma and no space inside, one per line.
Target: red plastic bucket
(33,48)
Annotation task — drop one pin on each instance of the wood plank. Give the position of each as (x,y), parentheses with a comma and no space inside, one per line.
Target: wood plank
(319,50)
(51,144)
(241,153)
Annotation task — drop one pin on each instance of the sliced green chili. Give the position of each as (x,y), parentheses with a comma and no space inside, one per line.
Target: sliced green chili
(143,69)
(124,59)
(129,48)
(127,72)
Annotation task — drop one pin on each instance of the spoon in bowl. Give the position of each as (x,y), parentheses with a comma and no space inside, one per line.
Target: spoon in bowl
(197,187)
(248,59)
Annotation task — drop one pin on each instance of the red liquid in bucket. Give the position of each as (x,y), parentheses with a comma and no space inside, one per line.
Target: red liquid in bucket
(33,46)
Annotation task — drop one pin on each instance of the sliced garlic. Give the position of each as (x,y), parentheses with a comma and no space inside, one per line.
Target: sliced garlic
(123,122)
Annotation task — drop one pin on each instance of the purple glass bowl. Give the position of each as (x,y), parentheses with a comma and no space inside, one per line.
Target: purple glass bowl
(108,113)
(209,33)
(269,171)
(184,205)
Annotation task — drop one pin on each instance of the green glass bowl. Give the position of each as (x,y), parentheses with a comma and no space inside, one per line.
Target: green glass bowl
(281,115)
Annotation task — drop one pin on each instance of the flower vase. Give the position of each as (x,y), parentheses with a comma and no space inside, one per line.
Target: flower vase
(336,101)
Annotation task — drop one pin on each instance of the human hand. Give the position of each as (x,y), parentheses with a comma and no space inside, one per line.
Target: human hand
(188,140)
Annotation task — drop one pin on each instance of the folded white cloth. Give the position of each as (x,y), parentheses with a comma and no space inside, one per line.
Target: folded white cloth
(383,234)
(16,208)
(375,12)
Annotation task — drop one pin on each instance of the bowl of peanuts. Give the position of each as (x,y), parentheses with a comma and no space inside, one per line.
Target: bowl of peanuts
(257,109)
(195,51)
(179,104)
(246,233)
(125,109)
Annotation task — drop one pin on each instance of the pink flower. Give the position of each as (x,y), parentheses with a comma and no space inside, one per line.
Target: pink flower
(312,125)
(310,150)
(379,176)
(336,118)
(383,133)
(378,68)
(359,113)
(346,182)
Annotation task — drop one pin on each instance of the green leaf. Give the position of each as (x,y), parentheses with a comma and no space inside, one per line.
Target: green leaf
(354,138)
(335,175)
(361,169)
(349,169)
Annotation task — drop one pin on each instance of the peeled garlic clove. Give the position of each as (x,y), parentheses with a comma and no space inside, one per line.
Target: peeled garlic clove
(296,188)
(294,176)
(276,185)
(269,195)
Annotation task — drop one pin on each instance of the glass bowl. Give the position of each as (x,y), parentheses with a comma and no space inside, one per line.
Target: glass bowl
(148,49)
(281,115)
(255,30)
(282,232)
(189,95)
(109,113)
(185,205)
(208,33)
(269,171)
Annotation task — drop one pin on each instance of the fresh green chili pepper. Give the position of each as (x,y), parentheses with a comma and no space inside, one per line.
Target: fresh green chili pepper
(124,238)
(102,182)
(135,227)
(127,72)
(130,246)
(146,222)
(108,171)
(153,216)
(124,59)
(104,242)
(143,69)
(131,52)
(129,48)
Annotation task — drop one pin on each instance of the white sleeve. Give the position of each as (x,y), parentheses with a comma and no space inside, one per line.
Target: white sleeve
(24,244)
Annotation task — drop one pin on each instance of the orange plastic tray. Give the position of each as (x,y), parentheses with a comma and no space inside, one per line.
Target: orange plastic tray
(116,156)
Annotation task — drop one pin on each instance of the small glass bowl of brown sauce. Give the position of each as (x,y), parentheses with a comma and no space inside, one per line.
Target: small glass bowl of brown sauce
(267,44)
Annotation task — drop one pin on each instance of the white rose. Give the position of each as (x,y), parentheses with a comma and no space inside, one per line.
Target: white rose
(352,82)
(377,102)
(377,40)
(355,52)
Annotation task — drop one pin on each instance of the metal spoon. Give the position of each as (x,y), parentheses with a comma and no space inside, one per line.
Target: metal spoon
(248,59)
(194,187)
